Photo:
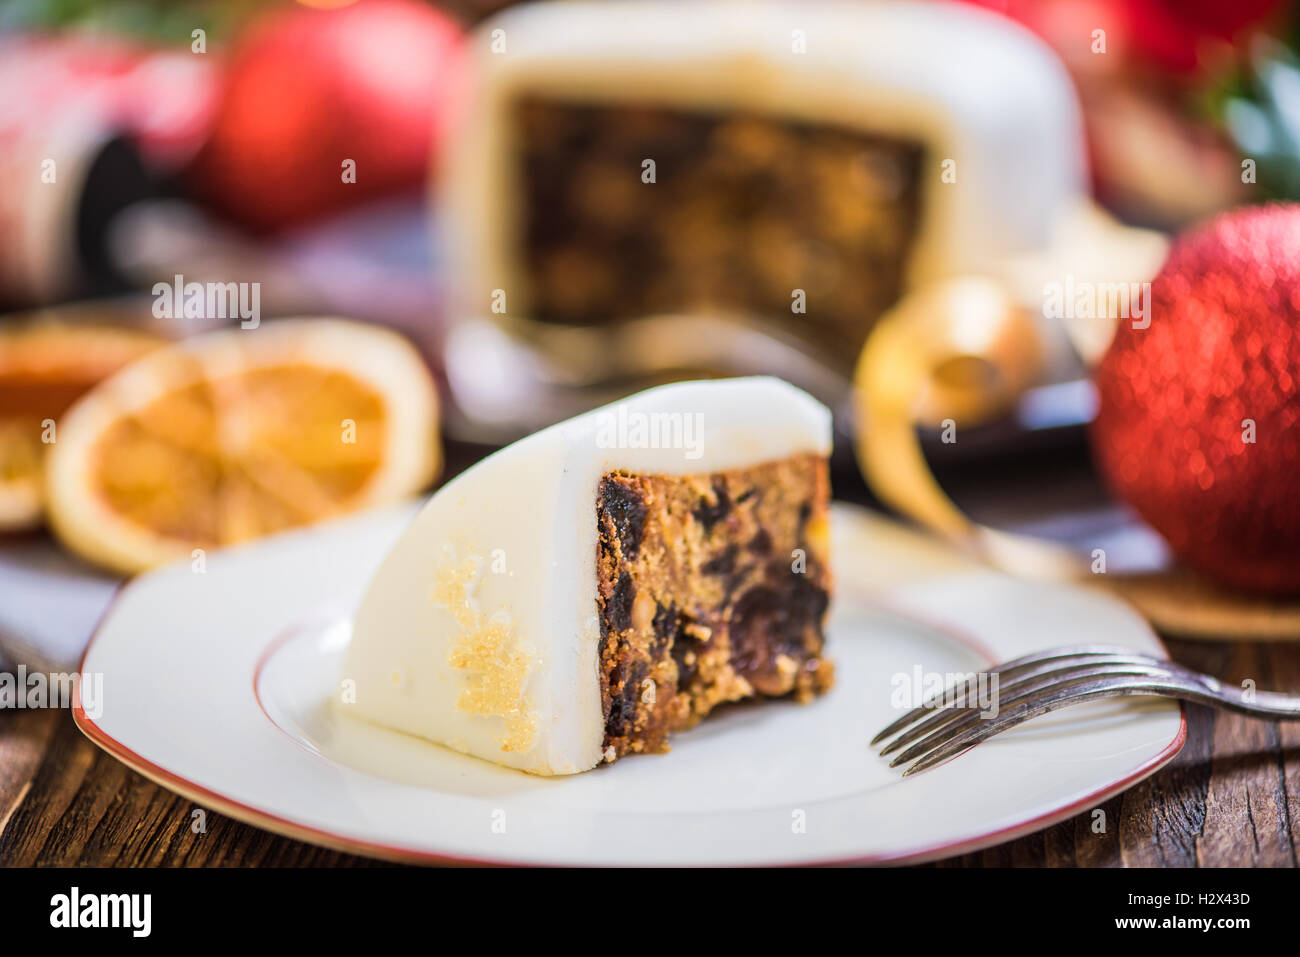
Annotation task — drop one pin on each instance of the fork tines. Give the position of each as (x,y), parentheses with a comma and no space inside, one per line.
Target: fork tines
(950,722)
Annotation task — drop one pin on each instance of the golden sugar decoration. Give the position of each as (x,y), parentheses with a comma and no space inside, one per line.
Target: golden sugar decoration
(497,664)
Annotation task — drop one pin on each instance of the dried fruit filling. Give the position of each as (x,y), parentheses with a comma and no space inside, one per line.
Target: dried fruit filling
(712,588)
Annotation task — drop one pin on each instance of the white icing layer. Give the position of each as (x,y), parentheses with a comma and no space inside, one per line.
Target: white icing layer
(974,87)
(524,519)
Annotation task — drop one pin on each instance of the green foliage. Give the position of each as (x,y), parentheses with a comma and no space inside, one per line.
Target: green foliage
(165,21)
(1259,108)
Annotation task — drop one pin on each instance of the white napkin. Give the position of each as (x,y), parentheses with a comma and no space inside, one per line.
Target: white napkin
(49,604)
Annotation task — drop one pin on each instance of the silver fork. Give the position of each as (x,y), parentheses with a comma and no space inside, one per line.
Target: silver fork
(945,724)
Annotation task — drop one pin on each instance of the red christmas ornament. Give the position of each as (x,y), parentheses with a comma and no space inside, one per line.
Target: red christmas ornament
(1199,419)
(309,89)
(1174,36)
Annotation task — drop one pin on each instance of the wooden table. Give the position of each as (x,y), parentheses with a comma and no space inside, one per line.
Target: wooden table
(1232,797)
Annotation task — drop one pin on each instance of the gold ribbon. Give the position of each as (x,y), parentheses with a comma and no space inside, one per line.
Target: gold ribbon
(955,354)
(964,350)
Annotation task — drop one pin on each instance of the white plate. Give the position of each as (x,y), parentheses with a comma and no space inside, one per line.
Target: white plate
(217,685)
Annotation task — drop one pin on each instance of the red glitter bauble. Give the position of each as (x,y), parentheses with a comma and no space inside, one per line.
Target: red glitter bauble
(1199,419)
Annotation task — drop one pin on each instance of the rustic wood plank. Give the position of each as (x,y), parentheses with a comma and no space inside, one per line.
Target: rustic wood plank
(1058,845)
(80,806)
(1161,817)
(1284,661)
(1029,851)
(23,738)
(1247,816)
(1093,848)
(53,796)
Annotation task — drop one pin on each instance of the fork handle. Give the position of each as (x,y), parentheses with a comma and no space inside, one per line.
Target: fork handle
(1264,703)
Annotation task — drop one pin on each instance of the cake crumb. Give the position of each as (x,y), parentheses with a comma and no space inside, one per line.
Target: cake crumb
(786,669)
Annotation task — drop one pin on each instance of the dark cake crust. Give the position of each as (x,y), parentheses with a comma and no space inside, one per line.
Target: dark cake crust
(712,588)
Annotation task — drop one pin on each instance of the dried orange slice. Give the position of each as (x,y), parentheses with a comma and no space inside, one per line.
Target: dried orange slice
(44,366)
(20,475)
(241,433)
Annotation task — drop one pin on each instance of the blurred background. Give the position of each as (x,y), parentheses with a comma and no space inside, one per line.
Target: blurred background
(143,140)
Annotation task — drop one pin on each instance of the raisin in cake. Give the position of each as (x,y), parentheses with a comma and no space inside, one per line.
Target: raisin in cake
(580,595)
(842,151)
